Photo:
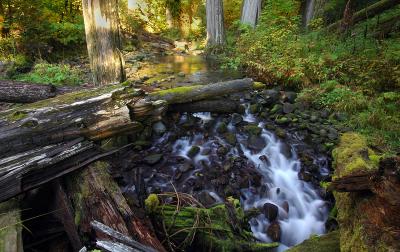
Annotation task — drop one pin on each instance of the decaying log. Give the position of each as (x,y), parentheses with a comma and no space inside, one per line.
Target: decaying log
(368,12)
(355,182)
(215,106)
(120,238)
(96,197)
(21,92)
(10,227)
(201,92)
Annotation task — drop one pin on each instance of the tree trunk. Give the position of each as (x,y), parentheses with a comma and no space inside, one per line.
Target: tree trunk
(251,12)
(20,92)
(103,41)
(96,197)
(215,23)
(170,19)
(368,12)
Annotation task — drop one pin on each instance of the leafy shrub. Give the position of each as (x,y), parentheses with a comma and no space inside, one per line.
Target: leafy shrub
(56,74)
(67,34)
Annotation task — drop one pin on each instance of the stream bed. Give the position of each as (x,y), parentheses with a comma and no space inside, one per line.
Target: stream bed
(271,167)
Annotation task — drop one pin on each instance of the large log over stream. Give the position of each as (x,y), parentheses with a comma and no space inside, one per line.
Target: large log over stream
(21,92)
(47,139)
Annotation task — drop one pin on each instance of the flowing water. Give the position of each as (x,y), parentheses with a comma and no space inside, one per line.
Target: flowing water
(309,13)
(301,211)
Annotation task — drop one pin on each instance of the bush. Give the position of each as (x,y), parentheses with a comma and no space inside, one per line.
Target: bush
(56,74)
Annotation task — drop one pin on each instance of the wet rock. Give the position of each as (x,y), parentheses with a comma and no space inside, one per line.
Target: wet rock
(254,108)
(289,96)
(181,74)
(280,133)
(285,206)
(265,159)
(323,132)
(288,108)
(153,159)
(206,199)
(253,129)
(221,151)
(271,96)
(159,128)
(206,152)
(314,118)
(286,150)
(256,143)
(194,150)
(333,134)
(230,138)
(282,120)
(270,211)
(277,109)
(300,106)
(185,167)
(274,231)
(222,128)
(324,113)
(236,119)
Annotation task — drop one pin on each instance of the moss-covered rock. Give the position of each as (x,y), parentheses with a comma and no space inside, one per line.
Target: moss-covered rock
(253,129)
(324,243)
(352,155)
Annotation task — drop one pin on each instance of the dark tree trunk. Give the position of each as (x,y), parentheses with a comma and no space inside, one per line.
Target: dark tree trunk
(103,41)
(215,23)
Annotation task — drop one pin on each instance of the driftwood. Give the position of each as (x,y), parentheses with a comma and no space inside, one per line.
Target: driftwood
(366,13)
(96,197)
(20,92)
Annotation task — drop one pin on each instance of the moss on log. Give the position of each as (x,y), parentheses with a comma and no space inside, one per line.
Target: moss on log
(220,228)
(324,243)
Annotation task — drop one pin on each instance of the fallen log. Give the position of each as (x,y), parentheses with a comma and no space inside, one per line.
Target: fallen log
(366,13)
(48,139)
(21,92)
(96,197)
(214,106)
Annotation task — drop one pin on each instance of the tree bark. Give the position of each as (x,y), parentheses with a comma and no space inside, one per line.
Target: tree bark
(96,197)
(20,92)
(366,13)
(103,41)
(214,106)
(251,12)
(215,23)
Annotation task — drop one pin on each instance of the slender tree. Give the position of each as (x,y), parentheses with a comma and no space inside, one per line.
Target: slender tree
(103,41)
(215,22)
(251,11)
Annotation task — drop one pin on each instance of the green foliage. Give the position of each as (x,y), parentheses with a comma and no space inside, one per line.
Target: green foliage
(67,33)
(56,74)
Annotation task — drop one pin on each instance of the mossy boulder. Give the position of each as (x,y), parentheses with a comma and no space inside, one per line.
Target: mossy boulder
(193,151)
(324,243)
(253,129)
(353,155)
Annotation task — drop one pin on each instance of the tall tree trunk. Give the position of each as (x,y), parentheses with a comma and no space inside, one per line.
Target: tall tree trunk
(103,40)
(215,23)
(170,19)
(251,11)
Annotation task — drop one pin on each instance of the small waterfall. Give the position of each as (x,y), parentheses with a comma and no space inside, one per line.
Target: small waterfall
(309,13)
(301,211)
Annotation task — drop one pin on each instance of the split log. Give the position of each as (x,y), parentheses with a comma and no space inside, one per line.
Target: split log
(368,12)
(21,92)
(214,106)
(96,197)
(354,182)
(10,227)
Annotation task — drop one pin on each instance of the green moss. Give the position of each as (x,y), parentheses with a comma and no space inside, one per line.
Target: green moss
(352,155)
(324,184)
(259,85)
(175,91)
(211,228)
(17,115)
(324,243)
(151,203)
(253,129)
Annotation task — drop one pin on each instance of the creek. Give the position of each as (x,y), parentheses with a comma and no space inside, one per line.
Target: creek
(213,156)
